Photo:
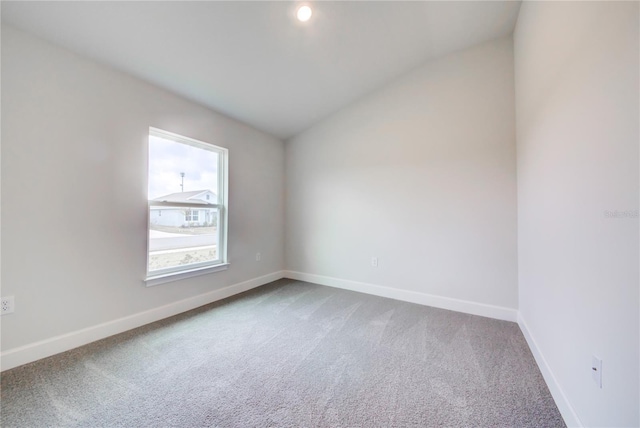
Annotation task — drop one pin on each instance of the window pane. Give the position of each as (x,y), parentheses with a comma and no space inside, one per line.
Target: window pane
(182,172)
(176,239)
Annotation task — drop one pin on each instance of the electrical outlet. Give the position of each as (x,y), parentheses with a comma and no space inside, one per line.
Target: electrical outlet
(374,261)
(596,370)
(258,257)
(7,305)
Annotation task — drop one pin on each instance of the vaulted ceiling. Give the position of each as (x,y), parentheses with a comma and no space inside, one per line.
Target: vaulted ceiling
(254,61)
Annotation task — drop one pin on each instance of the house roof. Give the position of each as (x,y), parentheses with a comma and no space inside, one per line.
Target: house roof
(185,197)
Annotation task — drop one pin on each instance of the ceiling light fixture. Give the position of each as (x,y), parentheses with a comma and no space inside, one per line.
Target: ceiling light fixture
(304,13)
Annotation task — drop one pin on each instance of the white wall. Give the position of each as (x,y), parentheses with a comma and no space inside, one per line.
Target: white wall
(422,175)
(74,146)
(576,67)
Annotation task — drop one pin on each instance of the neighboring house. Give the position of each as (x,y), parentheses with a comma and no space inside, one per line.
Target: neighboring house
(185,216)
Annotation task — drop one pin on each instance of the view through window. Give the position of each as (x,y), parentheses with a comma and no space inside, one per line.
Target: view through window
(187,212)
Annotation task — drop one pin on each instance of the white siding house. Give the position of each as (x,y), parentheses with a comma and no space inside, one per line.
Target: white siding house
(183,216)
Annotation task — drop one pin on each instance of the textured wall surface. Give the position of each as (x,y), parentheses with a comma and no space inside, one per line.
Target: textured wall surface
(422,175)
(74,190)
(576,67)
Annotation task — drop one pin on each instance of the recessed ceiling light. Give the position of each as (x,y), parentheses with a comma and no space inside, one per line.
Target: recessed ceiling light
(304,13)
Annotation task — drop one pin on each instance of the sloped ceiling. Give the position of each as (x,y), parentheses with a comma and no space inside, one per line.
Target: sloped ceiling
(254,61)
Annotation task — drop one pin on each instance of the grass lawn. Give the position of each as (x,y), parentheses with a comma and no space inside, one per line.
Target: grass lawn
(165,259)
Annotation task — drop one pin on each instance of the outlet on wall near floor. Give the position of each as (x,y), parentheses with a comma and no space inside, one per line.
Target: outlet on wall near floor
(374,261)
(596,370)
(7,305)
(258,257)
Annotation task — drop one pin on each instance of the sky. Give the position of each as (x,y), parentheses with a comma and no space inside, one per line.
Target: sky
(167,159)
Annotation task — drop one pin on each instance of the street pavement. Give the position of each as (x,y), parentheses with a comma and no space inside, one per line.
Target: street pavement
(169,241)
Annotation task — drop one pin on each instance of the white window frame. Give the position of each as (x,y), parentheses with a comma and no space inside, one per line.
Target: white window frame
(185,271)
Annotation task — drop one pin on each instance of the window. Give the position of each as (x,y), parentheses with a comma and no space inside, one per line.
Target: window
(187,233)
(191,215)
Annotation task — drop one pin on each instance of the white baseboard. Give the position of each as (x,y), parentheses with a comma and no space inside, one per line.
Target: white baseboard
(566,410)
(45,348)
(468,307)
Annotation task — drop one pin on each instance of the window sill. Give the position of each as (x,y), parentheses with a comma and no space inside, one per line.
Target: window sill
(150,281)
